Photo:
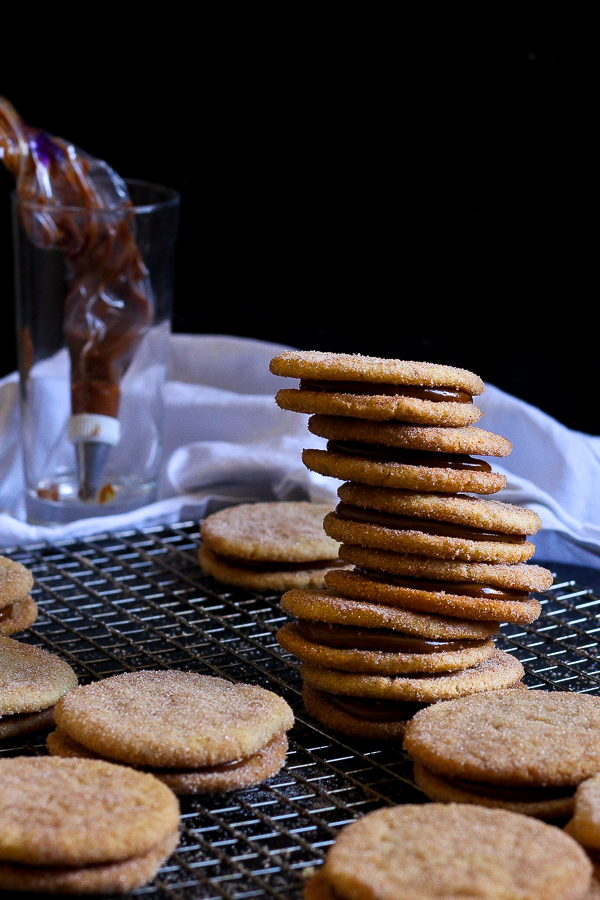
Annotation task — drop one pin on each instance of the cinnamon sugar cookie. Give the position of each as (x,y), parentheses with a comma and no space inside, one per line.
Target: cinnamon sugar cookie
(470,590)
(18,610)
(75,826)
(443,852)
(268,546)
(343,384)
(500,671)
(357,637)
(31,682)
(525,751)
(196,732)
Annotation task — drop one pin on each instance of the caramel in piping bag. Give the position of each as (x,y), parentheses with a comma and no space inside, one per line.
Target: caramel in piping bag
(108,307)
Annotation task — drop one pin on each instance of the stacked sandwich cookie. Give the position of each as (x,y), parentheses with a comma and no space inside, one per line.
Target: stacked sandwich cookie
(434,562)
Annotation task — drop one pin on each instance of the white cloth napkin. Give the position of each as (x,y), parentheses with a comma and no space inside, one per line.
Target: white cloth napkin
(227,441)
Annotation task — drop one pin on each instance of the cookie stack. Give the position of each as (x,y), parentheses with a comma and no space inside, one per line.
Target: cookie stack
(434,564)
(18,609)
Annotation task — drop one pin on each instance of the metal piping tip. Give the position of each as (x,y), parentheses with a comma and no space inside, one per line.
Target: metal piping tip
(93,436)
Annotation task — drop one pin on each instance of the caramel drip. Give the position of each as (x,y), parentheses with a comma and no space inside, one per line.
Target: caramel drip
(443,394)
(382,640)
(427,526)
(408,457)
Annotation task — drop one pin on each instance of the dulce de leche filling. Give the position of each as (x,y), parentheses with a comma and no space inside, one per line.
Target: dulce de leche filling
(443,394)
(525,794)
(460,588)
(426,526)
(384,640)
(372,710)
(263,565)
(432,459)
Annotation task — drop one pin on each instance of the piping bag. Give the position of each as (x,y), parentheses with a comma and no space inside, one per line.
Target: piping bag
(108,305)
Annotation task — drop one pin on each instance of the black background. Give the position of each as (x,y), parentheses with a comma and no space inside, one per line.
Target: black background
(374,193)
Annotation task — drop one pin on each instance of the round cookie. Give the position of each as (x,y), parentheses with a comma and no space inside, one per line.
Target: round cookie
(526,751)
(212,779)
(268,546)
(329,607)
(585,824)
(407,534)
(31,682)
(16,581)
(72,819)
(450,656)
(342,384)
(18,610)
(18,616)
(170,721)
(469,440)
(442,852)
(500,671)
(338,462)
(412,582)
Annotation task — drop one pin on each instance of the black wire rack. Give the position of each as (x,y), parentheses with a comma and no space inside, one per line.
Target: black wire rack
(138,599)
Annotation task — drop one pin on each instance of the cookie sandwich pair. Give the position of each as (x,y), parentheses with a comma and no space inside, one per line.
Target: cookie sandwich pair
(195,733)
(434,564)
(265,546)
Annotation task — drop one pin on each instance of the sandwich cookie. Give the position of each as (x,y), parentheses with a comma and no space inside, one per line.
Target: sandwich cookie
(471,590)
(523,751)
(433,851)
(397,455)
(74,826)
(429,524)
(584,827)
(338,633)
(18,610)
(379,706)
(196,733)
(268,546)
(32,680)
(366,387)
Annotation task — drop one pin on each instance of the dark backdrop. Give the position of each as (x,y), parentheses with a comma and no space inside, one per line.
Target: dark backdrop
(415,201)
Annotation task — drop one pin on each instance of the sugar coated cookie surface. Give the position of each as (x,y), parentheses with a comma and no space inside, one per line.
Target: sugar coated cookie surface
(448,851)
(347,366)
(16,581)
(585,824)
(172,719)
(500,671)
(31,679)
(21,614)
(388,473)
(469,439)
(286,531)
(533,738)
(469,601)
(74,812)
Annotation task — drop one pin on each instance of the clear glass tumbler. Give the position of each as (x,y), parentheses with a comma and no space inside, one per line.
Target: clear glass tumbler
(93,326)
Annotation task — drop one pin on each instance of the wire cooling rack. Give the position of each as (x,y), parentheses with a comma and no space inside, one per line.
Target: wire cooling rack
(138,599)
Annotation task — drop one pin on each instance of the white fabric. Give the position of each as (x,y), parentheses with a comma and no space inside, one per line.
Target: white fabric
(226,440)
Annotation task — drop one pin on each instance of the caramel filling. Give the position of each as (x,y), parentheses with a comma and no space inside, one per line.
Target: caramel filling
(445,394)
(374,710)
(427,526)
(510,792)
(460,588)
(262,565)
(429,458)
(6,613)
(383,640)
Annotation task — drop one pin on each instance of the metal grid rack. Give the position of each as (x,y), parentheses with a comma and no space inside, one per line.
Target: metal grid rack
(138,599)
